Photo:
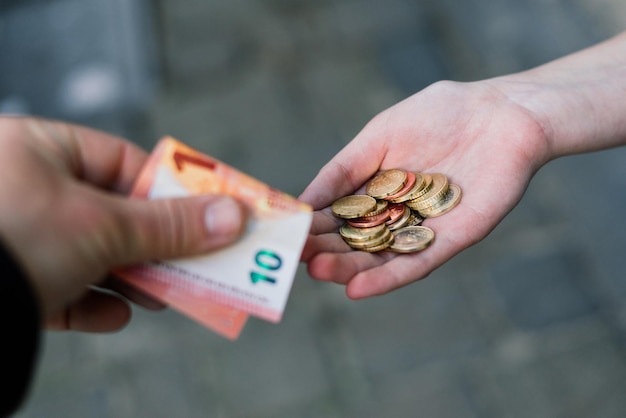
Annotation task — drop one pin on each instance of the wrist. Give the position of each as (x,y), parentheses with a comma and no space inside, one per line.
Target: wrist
(556,109)
(578,100)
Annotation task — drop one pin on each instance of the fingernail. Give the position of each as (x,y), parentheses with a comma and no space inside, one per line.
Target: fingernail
(223,218)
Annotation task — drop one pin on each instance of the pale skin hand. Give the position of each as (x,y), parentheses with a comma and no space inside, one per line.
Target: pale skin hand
(488,137)
(472,134)
(65,217)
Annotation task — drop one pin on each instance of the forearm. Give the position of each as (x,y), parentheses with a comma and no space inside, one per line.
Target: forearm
(580,99)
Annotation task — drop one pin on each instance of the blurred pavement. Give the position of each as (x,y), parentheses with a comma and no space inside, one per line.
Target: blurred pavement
(531,322)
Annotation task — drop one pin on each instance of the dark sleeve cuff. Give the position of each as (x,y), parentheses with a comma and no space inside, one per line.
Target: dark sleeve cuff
(20,328)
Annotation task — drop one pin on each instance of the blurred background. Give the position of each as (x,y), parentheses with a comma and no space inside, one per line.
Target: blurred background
(531,322)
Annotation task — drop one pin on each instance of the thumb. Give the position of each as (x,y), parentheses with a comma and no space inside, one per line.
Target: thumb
(172,228)
(350,168)
(341,176)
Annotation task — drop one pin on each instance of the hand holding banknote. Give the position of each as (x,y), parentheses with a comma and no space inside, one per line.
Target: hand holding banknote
(251,277)
(65,217)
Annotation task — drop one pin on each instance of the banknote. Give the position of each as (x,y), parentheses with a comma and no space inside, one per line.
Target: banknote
(251,277)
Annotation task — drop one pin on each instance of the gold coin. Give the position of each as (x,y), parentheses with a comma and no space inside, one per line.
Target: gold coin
(385,237)
(427,185)
(415,219)
(414,192)
(353,206)
(381,206)
(386,183)
(411,239)
(408,186)
(402,221)
(449,201)
(353,234)
(381,247)
(433,196)
(369,221)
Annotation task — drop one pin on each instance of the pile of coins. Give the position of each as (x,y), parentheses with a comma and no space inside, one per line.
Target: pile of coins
(389,216)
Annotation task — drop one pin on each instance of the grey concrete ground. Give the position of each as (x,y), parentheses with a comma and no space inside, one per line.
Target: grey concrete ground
(528,323)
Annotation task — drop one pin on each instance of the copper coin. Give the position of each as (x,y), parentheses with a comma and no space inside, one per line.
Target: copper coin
(410,182)
(353,206)
(411,239)
(386,183)
(423,183)
(369,221)
(352,234)
(400,222)
(396,210)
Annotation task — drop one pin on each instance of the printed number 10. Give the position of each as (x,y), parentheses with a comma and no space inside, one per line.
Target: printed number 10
(268,261)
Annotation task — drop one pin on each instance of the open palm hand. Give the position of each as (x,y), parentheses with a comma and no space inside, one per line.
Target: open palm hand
(470,132)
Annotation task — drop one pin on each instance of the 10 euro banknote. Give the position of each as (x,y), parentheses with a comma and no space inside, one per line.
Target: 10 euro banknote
(252,276)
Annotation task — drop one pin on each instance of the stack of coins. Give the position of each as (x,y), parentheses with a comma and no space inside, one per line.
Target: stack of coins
(388,217)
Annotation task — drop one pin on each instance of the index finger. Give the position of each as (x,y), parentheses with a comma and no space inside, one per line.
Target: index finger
(102,159)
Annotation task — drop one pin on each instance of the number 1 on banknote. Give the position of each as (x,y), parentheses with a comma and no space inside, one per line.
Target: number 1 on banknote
(254,275)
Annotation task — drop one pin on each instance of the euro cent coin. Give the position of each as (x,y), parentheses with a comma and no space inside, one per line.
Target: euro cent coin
(385,238)
(411,179)
(401,222)
(355,235)
(420,188)
(411,239)
(381,206)
(386,183)
(369,221)
(437,191)
(353,206)
(381,247)
(396,210)
(449,201)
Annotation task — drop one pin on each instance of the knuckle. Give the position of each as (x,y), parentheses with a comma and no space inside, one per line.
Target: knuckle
(167,231)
